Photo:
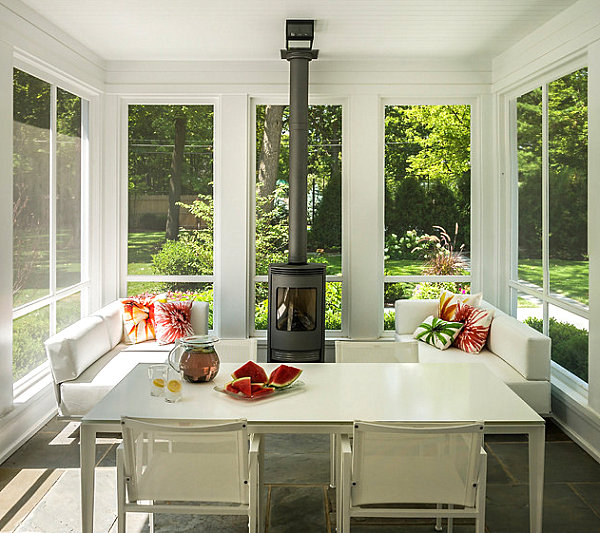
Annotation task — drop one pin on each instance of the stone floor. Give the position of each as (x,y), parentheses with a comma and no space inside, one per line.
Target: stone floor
(39,489)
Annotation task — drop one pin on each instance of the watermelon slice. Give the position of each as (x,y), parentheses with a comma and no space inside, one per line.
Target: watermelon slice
(241,386)
(257,387)
(263,391)
(283,376)
(253,371)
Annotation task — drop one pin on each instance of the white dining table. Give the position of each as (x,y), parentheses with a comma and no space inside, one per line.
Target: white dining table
(330,397)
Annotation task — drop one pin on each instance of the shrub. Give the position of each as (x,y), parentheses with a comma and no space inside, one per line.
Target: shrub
(395,291)
(389,321)
(443,259)
(410,246)
(569,345)
(431,290)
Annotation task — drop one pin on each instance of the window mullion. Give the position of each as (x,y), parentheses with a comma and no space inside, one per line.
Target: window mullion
(545,197)
(52,206)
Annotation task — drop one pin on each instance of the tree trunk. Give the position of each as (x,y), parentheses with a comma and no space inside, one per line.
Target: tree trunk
(172,230)
(268,163)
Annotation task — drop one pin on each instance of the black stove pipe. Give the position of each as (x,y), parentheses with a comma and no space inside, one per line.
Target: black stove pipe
(298,60)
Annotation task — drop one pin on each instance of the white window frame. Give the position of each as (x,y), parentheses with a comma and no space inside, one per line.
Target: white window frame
(253,278)
(89,98)
(559,375)
(475,249)
(124,277)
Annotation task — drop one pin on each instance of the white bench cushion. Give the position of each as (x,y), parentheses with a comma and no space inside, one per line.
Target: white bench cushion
(410,313)
(112,316)
(76,347)
(522,347)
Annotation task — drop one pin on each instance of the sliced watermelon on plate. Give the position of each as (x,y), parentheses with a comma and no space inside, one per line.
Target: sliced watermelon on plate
(250,369)
(283,376)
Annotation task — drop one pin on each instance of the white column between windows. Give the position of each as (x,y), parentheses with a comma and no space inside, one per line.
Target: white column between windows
(594,225)
(365,216)
(6,223)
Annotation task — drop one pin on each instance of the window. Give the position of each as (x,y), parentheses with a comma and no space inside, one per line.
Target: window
(170,203)
(549,283)
(324,201)
(50,279)
(427,202)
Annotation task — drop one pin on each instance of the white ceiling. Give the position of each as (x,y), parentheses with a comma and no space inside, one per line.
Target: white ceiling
(254,29)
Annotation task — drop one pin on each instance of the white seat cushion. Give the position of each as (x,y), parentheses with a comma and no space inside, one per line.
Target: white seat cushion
(535,393)
(80,395)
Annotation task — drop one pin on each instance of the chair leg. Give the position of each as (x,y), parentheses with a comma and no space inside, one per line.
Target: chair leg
(332,459)
(450,520)
(121,515)
(438,519)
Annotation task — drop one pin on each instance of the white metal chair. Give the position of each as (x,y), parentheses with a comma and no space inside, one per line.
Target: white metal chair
(417,464)
(188,467)
(376,352)
(236,350)
(369,352)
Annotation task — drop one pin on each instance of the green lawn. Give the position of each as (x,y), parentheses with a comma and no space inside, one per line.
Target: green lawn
(569,278)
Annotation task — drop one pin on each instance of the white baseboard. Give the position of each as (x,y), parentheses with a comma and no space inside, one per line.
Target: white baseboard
(24,420)
(578,421)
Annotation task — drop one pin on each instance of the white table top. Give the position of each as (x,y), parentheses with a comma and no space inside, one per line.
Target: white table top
(335,393)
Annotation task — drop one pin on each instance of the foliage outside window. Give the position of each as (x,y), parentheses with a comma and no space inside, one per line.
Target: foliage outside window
(324,201)
(550,282)
(49,274)
(170,203)
(427,202)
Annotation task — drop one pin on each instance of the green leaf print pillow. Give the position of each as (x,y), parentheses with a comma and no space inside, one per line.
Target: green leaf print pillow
(437,332)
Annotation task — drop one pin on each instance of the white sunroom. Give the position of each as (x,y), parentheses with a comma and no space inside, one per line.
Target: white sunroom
(86,158)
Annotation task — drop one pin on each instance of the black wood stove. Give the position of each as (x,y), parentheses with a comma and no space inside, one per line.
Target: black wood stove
(297,289)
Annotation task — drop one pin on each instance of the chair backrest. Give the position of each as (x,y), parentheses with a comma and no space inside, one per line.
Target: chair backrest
(417,463)
(186,460)
(376,352)
(236,350)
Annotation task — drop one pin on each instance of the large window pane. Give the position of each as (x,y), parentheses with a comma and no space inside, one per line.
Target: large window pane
(569,334)
(529,160)
(170,163)
(31,188)
(427,190)
(29,333)
(68,311)
(68,189)
(567,150)
(324,196)
(530,310)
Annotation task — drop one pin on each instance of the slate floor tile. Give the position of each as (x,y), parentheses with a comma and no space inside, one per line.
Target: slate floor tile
(508,510)
(288,443)
(589,493)
(311,468)
(297,509)
(59,510)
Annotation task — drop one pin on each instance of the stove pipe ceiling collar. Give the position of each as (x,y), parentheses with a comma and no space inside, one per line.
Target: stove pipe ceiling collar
(298,32)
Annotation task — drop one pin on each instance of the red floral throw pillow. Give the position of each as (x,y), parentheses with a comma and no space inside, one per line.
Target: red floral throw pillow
(138,320)
(172,321)
(474,333)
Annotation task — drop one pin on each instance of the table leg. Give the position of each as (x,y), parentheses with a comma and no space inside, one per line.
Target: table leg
(87,451)
(536,477)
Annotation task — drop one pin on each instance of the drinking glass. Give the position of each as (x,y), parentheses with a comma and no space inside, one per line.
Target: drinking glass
(157,376)
(173,385)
